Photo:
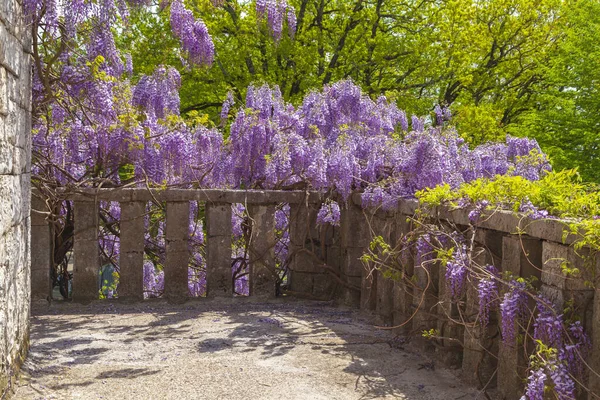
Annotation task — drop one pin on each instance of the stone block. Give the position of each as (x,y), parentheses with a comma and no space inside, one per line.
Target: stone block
(323,286)
(7,186)
(263,273)
(302,224)
(582,301)
(381,224)
(554,256)
(511,370)
(451,352)
(348,297)
(219,280)
(3,91)
(425,298)
(218,219)
(402,226)
(177,251)
(522,255)
(354,227)
(305,246)
(333,257)
(401,307)
(301,282)
(12,56)
(131,259)
(86,257)
(351,263)
(368,293)
(491,243)
(385,299)
(480,351)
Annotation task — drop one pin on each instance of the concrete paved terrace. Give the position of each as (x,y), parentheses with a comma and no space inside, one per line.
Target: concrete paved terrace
(223,349)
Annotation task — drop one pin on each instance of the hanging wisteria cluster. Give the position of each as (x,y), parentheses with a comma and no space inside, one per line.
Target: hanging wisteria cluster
(275,12)
(192,33)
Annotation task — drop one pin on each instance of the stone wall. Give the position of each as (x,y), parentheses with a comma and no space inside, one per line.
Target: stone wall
(15,153)
(324,263)
(423,304)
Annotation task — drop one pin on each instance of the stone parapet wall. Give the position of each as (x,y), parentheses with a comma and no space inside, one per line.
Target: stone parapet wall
(325,263)
(15,162)
(540,251)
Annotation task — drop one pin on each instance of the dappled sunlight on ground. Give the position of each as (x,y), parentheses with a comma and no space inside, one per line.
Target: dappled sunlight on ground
(222,350)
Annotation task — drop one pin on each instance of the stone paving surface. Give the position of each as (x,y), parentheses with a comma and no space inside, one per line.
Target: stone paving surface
(223,350)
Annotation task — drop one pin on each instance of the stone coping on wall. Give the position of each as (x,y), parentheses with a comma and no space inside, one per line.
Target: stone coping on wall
(204,195)
(554,230)
(549,229)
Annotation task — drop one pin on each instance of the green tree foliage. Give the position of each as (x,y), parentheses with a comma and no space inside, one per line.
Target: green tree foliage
(525,67)
(566,117)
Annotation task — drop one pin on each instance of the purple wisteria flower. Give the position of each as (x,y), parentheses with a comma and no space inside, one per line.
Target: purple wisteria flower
(192,33)
(475,214)
(532,211)
(457,271)
(487,290)
(536,383)
(276,11)
(329,213)
(513,309)
(548,325)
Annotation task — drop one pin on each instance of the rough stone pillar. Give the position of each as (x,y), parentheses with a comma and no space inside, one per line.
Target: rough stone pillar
(86,251)
(131,259)
(302,265)
(218,250)
(424,300)
(263,272)
(479,355)
(41,251)
(560,288)
(177,251)
(451,351)
(385,300)
(402,294)
(355,239)
(573,290)
(383,224)
(521,256)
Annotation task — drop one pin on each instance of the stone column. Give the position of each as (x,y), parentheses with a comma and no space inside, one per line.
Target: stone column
(383,224)
(218,250)
(355,239)
(424,300)
(451,351)
(263,272)
(574,290)
(402,294)
(86,251)
(131,259)
(177,251)
(521,256)
(560,288)
(41,251)
(305,271)
(480,349)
